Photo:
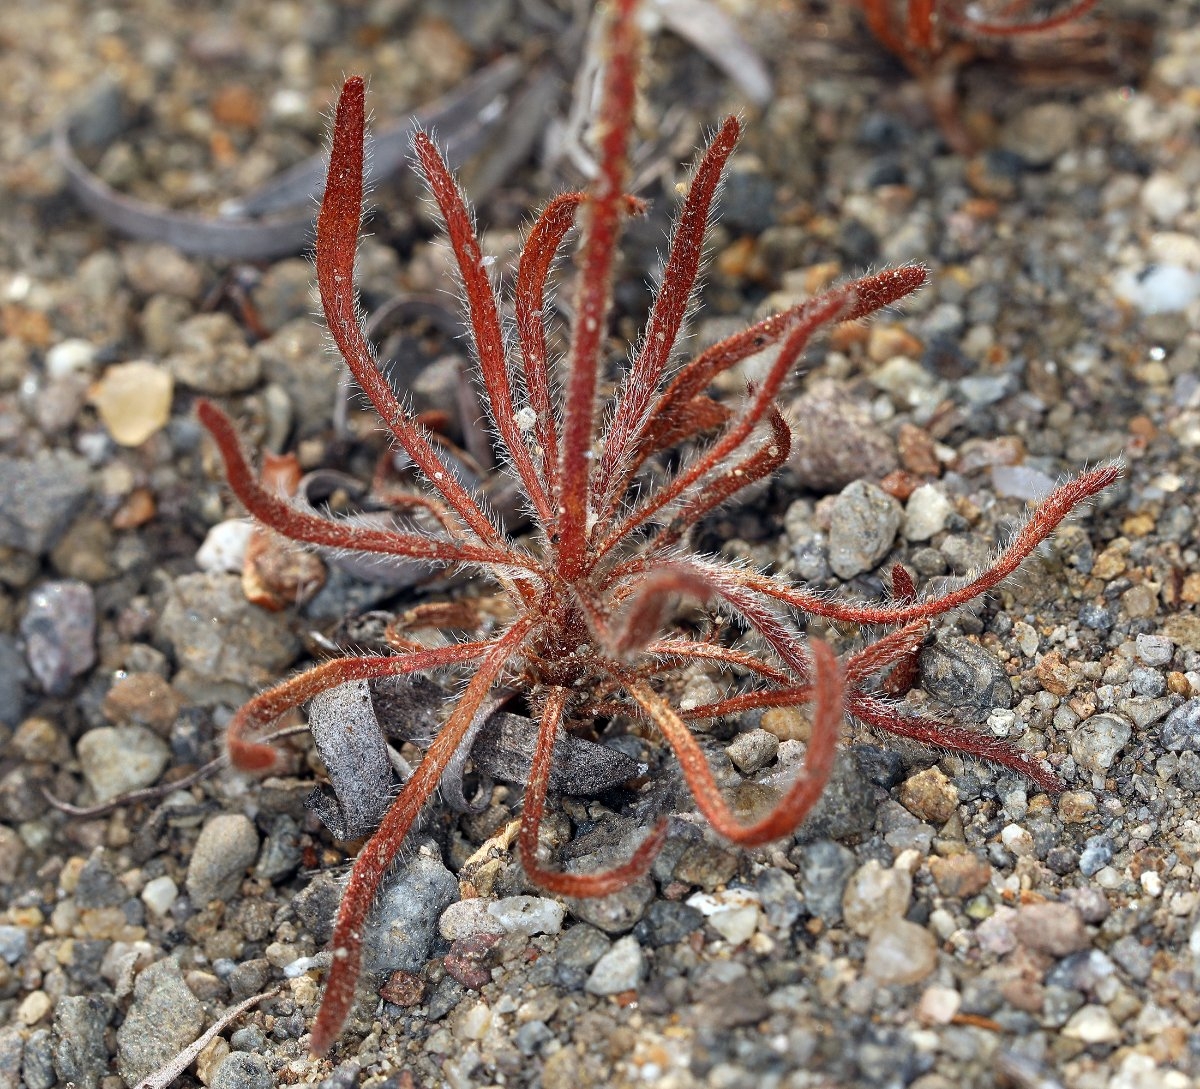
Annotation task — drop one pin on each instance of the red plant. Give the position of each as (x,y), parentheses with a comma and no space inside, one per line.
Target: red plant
(935,38)
(591,593)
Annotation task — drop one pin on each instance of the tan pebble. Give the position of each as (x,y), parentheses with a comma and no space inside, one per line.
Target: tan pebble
(34,1007)
(133,400)
(961,875)
(885,342)
(930,796)
(1076,806)
(1056,675)
(211,1056)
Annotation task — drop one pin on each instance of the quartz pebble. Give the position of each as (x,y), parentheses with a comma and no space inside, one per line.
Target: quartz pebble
(621,969)
(1098,741)
(872,894)
(133,401)
(224,547)
(926,513)
(899,952)
(528,915)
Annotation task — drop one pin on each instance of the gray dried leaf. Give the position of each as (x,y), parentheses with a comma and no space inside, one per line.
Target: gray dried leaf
(348,737)
(581,768)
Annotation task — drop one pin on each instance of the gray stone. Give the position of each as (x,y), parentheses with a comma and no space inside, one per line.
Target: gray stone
(37,1066)
(165,1017)
(296,359)
(216,633)
(847,806)
(404,923)
(862,527)
(578,950)
(80,1053)
(281,852)
(825,867)
(12,1047)
(242,1070)
(14,676)
(211,355)
(227,847)
(753,751)
(59,628)
(118,759)
(965,676)
(1181,731)
(1098,741)
(39,498)
(1040,133)
(14,943)
(666,922)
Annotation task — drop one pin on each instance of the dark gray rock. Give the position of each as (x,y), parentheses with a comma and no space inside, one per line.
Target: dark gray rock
(317,904)
(80,1054)
(665,922)
(965,676)
(825,867)
(14,678)
(39,497)
(847,806)
(578,950)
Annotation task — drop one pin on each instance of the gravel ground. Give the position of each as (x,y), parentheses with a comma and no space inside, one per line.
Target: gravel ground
(938,923)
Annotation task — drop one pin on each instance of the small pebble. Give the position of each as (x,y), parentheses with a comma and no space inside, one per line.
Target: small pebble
(926,513)
(59,626)
(1181,730)
(1098,741)
(862,526)
(1053,928)
(1092,1025)
(118,759)
(243,1070)
(622,968)
(70,356)
(133,401)
(528,915)
(467,918)
(227,847)
(899,952)
(159,894)
(873,894)
(224,547)
(753,751)
(930,796)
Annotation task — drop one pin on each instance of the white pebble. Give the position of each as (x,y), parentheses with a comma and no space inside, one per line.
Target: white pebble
(1092,1025)
(467,918)
(71,356)
(620,969)
(1158,289)
(528,915)
(224,547)
(159,894)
